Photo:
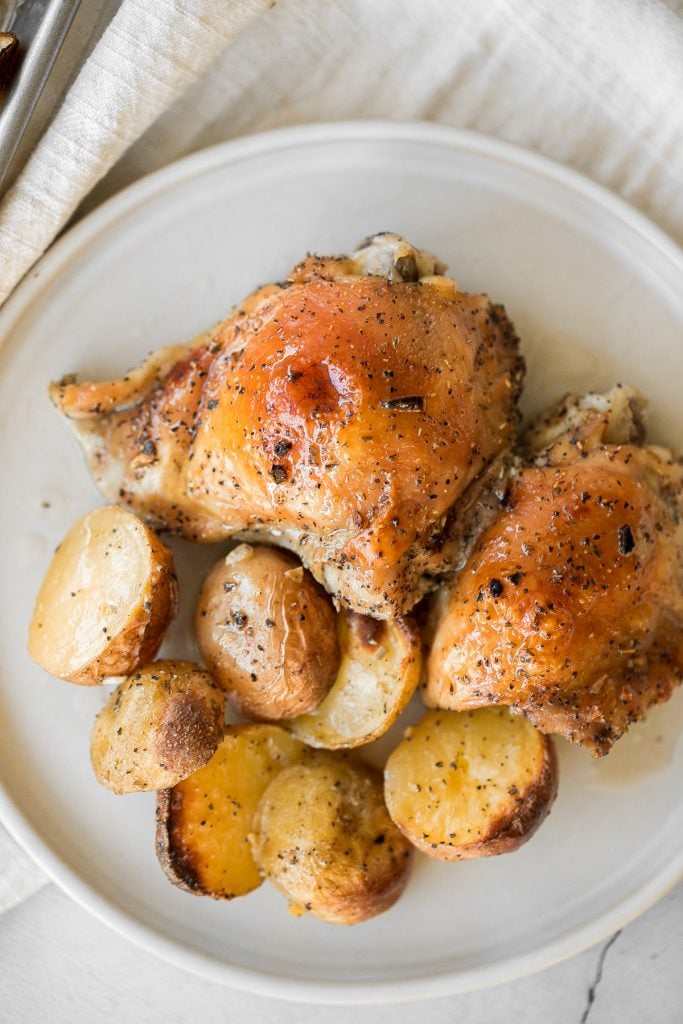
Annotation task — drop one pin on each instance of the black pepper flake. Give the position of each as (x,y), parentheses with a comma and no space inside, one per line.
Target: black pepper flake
(278,473)
(515,579)
(413,403)
(240,619)
(282,447)
(626,540)
(212,403)
(149,447)
(495,588)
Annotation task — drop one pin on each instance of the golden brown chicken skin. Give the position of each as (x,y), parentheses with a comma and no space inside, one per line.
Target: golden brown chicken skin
(571,604)
(354,414)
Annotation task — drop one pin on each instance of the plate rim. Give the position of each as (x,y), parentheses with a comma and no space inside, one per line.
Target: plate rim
(37,279)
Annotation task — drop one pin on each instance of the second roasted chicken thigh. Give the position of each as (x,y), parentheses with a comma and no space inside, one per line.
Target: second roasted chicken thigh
(355,413)
(570,607)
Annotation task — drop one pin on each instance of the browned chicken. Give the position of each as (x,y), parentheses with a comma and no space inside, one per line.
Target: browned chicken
(570,607)
(356,413)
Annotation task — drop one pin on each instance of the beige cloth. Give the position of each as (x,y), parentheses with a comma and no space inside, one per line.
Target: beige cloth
(597,84)
(148,56)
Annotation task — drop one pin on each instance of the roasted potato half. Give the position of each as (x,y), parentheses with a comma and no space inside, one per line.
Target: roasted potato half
(324,838)
(268,633)
(203,822)
(106,600)
(470,784)
(158,726)
(378,674)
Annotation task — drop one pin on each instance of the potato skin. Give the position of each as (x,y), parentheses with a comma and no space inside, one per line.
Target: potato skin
(268,633)
(159,725)
(324,838)
(139,638)
(203,822)
(504,832)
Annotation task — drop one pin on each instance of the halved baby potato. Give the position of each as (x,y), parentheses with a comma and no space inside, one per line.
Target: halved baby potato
(203,822)
(158,726)
(324,838)
(268,632)
(471,783)
(106,600)
(378,674)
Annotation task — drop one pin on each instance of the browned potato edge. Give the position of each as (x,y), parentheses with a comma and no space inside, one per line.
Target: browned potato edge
(175,866)
(508,831)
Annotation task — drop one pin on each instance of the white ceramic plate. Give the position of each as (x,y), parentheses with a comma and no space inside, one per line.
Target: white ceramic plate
(596,293)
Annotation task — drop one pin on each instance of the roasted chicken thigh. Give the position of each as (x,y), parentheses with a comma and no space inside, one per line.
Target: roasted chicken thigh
(357,413)
(570,607)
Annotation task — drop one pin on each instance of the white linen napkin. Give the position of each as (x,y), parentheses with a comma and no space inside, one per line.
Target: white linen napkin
(597,84)
(147,57)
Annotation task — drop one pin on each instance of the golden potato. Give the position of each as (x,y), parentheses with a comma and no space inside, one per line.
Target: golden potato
(159,725)
(106,600)
(204,821)
(379,670)
(323,836)
(268,633)
(470,784)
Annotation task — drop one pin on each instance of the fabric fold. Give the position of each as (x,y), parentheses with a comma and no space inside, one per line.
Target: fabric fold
(147,57)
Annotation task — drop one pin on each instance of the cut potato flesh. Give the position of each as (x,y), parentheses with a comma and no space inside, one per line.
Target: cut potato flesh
(470,784)
(106,600)
(204,821)
(378,674)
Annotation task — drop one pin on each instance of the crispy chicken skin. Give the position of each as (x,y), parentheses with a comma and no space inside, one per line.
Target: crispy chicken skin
(355,413)
(571,604)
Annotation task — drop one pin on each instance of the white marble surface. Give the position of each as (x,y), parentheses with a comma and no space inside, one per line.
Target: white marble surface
(61,966)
